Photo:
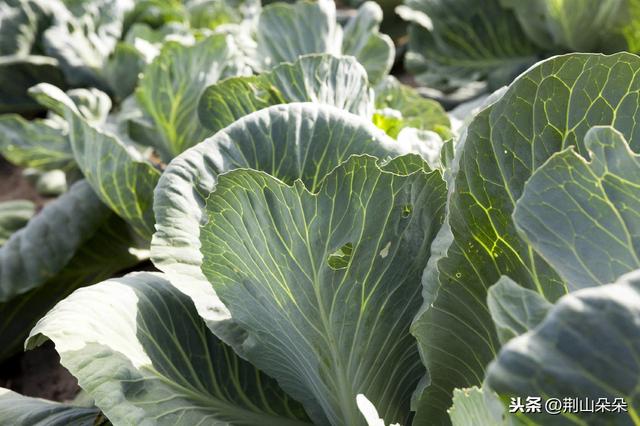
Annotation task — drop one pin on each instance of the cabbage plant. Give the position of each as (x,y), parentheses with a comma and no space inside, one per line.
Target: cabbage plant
(454,43)
(303,282)
(118,138)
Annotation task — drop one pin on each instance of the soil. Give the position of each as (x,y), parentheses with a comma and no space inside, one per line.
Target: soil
(13,186)
(38,373)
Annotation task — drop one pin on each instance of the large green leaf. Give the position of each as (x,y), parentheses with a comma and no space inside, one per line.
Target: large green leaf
(18,410)
(41,144)
(40,250)
(288,31)
(14,214)
(172,84)
(118,175)
(140,350)
(326,283)
(547,109)
(112,248)
(587,347)
(322,79)
(293,141)
(453,42)
(18,74)
(582,217)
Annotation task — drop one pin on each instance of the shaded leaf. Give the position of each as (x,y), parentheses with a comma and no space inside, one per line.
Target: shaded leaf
(40,250)
(19,410)
(18,74)
(515,309)
(415,111)
(362,39)
(14,214)
(287,31)
(452,43)
(111,249)
(587,347)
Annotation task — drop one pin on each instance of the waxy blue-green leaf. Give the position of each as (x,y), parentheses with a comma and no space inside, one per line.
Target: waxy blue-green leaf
(515,309)
(322,79)
(581,215)
(18,410)
(292,141)
(587,347)
(118,175)
(172,84)
(113,247)
(454,42)
(140,350)
(548,109)
(40,250)
(326,283)
(287,31)
(18,74)
(14,214)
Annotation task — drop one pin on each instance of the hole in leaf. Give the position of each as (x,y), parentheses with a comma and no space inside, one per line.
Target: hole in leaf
(407,209)
(340,258)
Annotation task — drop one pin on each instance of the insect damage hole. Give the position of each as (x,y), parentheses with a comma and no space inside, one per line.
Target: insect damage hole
(340,258)
(407,209)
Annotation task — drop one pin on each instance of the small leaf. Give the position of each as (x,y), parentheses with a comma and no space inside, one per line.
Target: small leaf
(476,407)
(14,214)
(515,309)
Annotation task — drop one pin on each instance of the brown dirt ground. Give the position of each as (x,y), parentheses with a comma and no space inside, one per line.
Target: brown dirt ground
(13,186)
(38,373)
